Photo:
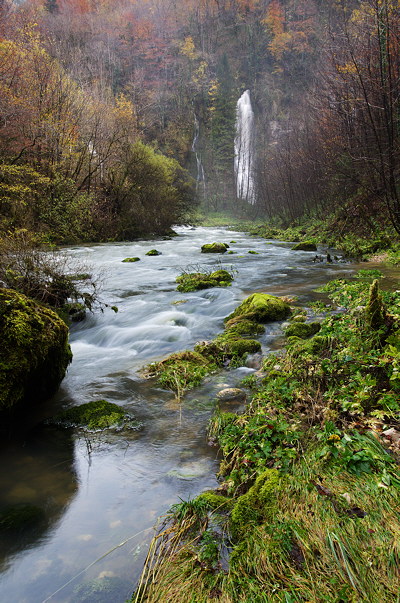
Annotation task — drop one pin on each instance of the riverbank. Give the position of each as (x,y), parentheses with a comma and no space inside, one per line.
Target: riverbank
(307,505)
(378,243)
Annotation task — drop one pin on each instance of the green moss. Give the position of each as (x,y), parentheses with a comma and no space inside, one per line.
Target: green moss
(299,318)
(214,248)
(181,371)
(130,260)
(242,326)
(153,252)
(257,505)
(34,352)
(214,501)
(195,281)
(305,246)
(236,346)
(298,347)
(302,329)
(261,307)
(94,416)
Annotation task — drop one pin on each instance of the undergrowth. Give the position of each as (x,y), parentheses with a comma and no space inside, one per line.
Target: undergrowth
(308,504)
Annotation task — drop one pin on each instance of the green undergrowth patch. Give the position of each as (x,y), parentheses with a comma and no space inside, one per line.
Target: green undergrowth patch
(307,506)
(361,245)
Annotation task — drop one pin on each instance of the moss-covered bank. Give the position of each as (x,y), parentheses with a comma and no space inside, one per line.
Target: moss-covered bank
(307,507)
(34,353)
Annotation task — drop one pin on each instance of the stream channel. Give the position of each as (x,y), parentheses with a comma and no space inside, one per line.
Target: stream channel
(101,490)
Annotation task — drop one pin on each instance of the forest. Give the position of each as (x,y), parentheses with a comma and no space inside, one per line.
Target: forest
(118,119)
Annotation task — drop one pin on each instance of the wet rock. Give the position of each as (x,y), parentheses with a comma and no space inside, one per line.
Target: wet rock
(260,307)
(34,352)
(153,252)
(305,246)
(131,260)
(214,248)
(230,394)
(195,281)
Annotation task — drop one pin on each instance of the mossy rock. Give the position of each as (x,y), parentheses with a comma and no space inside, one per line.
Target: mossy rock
(196,281)
(260,307)
(20,517)
(131,260)
(34,353)
(236,346)
(153,252)
(258,505)
(305,246)
(299,318)
(214,248)
(243,327)
(253,252)
(95,416)
(302,329)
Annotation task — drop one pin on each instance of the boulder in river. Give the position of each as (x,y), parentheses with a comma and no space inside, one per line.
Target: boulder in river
(131,260)
(194,281)
(214,248)
(260,307)
(34,353)
(153,252)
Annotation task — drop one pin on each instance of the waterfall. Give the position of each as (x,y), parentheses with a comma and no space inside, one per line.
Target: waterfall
(244,149)
(200,178)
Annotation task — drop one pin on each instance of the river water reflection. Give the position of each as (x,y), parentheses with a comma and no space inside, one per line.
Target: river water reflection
(99,492)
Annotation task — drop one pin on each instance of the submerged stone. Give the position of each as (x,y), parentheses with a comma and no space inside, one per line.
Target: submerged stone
(214,248)
(16,518)
(260,307)
(95,416)
(231,393)
(34,353)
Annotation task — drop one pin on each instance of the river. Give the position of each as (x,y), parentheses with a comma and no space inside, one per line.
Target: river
(102,494)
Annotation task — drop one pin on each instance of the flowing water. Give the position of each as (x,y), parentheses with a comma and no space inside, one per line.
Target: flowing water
(244,149)
(101,491)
